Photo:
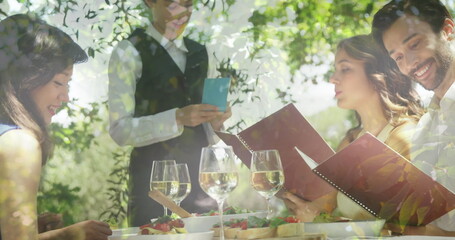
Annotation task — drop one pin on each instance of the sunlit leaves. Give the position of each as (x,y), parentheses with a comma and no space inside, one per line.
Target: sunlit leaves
(309,30)
(118,191)
(60,198)
(77,136)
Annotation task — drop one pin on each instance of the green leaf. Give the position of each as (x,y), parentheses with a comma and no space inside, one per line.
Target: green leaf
(91,52)
(256,222)
(277,221)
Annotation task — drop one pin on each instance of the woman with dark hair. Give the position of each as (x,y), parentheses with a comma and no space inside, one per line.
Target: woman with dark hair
(36,65)
(385,104)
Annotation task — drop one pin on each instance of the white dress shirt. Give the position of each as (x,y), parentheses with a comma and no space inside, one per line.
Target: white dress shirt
(433,149)
(125,69)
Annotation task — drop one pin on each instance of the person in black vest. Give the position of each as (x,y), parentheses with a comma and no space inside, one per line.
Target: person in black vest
(156,80)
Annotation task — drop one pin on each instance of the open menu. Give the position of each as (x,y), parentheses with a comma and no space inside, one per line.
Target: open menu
(383,182)
(284,130)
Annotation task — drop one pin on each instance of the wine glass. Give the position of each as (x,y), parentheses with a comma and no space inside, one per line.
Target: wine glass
(267,176)
(218,175)
(164,178)
(184,183)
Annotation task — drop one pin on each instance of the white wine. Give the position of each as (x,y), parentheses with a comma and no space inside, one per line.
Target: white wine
(218,185)
(267,183)
(184,190)
(168,188)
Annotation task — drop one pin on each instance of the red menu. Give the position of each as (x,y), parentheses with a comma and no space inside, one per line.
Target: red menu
(385,183)
(284,130)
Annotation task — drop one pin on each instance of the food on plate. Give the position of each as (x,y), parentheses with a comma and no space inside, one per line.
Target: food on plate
(257,228)
(288,226)
(328,218)
(163,225)
(230,227)
(256,233)
(250,228)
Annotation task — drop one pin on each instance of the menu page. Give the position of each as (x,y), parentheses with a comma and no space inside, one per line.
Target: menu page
(284,130)
(385,183)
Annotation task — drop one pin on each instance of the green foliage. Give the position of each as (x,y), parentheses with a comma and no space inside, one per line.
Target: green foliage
(239,87)
(332,124)
(309,30)
(77,135)
(60,198)
(117,192)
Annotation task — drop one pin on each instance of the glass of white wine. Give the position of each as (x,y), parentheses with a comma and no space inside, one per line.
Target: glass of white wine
(184,183)
(267,176)
(218,175)
(164,178)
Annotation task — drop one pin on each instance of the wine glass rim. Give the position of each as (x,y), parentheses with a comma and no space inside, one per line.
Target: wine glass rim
(266,150)
(213,146)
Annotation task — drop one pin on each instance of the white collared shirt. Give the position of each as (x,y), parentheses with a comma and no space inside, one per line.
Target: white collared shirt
(125,69)
(433,149)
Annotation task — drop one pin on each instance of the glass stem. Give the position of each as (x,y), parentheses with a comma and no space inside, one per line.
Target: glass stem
(269,209)
(220,210)
(165,211)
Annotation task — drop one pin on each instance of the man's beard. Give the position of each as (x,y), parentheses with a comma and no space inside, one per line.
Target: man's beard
(443,57)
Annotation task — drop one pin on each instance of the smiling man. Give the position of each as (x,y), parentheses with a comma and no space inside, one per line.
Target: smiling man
(418,35)
(156,79)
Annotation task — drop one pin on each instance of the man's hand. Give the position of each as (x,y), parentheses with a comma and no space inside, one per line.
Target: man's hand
(49,221)
(193,115)
(217,123)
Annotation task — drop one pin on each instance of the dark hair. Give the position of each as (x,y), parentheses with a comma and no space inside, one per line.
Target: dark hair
(31,54)
(431,11)
(399,100)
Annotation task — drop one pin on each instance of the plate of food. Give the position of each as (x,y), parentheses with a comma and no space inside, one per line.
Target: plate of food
(204,222)
(163,228)
(345,227)
(184,236)
(263,228)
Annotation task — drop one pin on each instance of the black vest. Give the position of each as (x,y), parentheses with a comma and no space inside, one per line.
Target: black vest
(163,86)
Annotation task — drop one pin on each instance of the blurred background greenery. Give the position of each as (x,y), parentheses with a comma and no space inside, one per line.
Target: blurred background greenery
(277,51)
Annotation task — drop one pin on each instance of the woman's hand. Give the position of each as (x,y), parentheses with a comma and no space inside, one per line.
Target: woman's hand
(88,230)
(49,221)
(303,210)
